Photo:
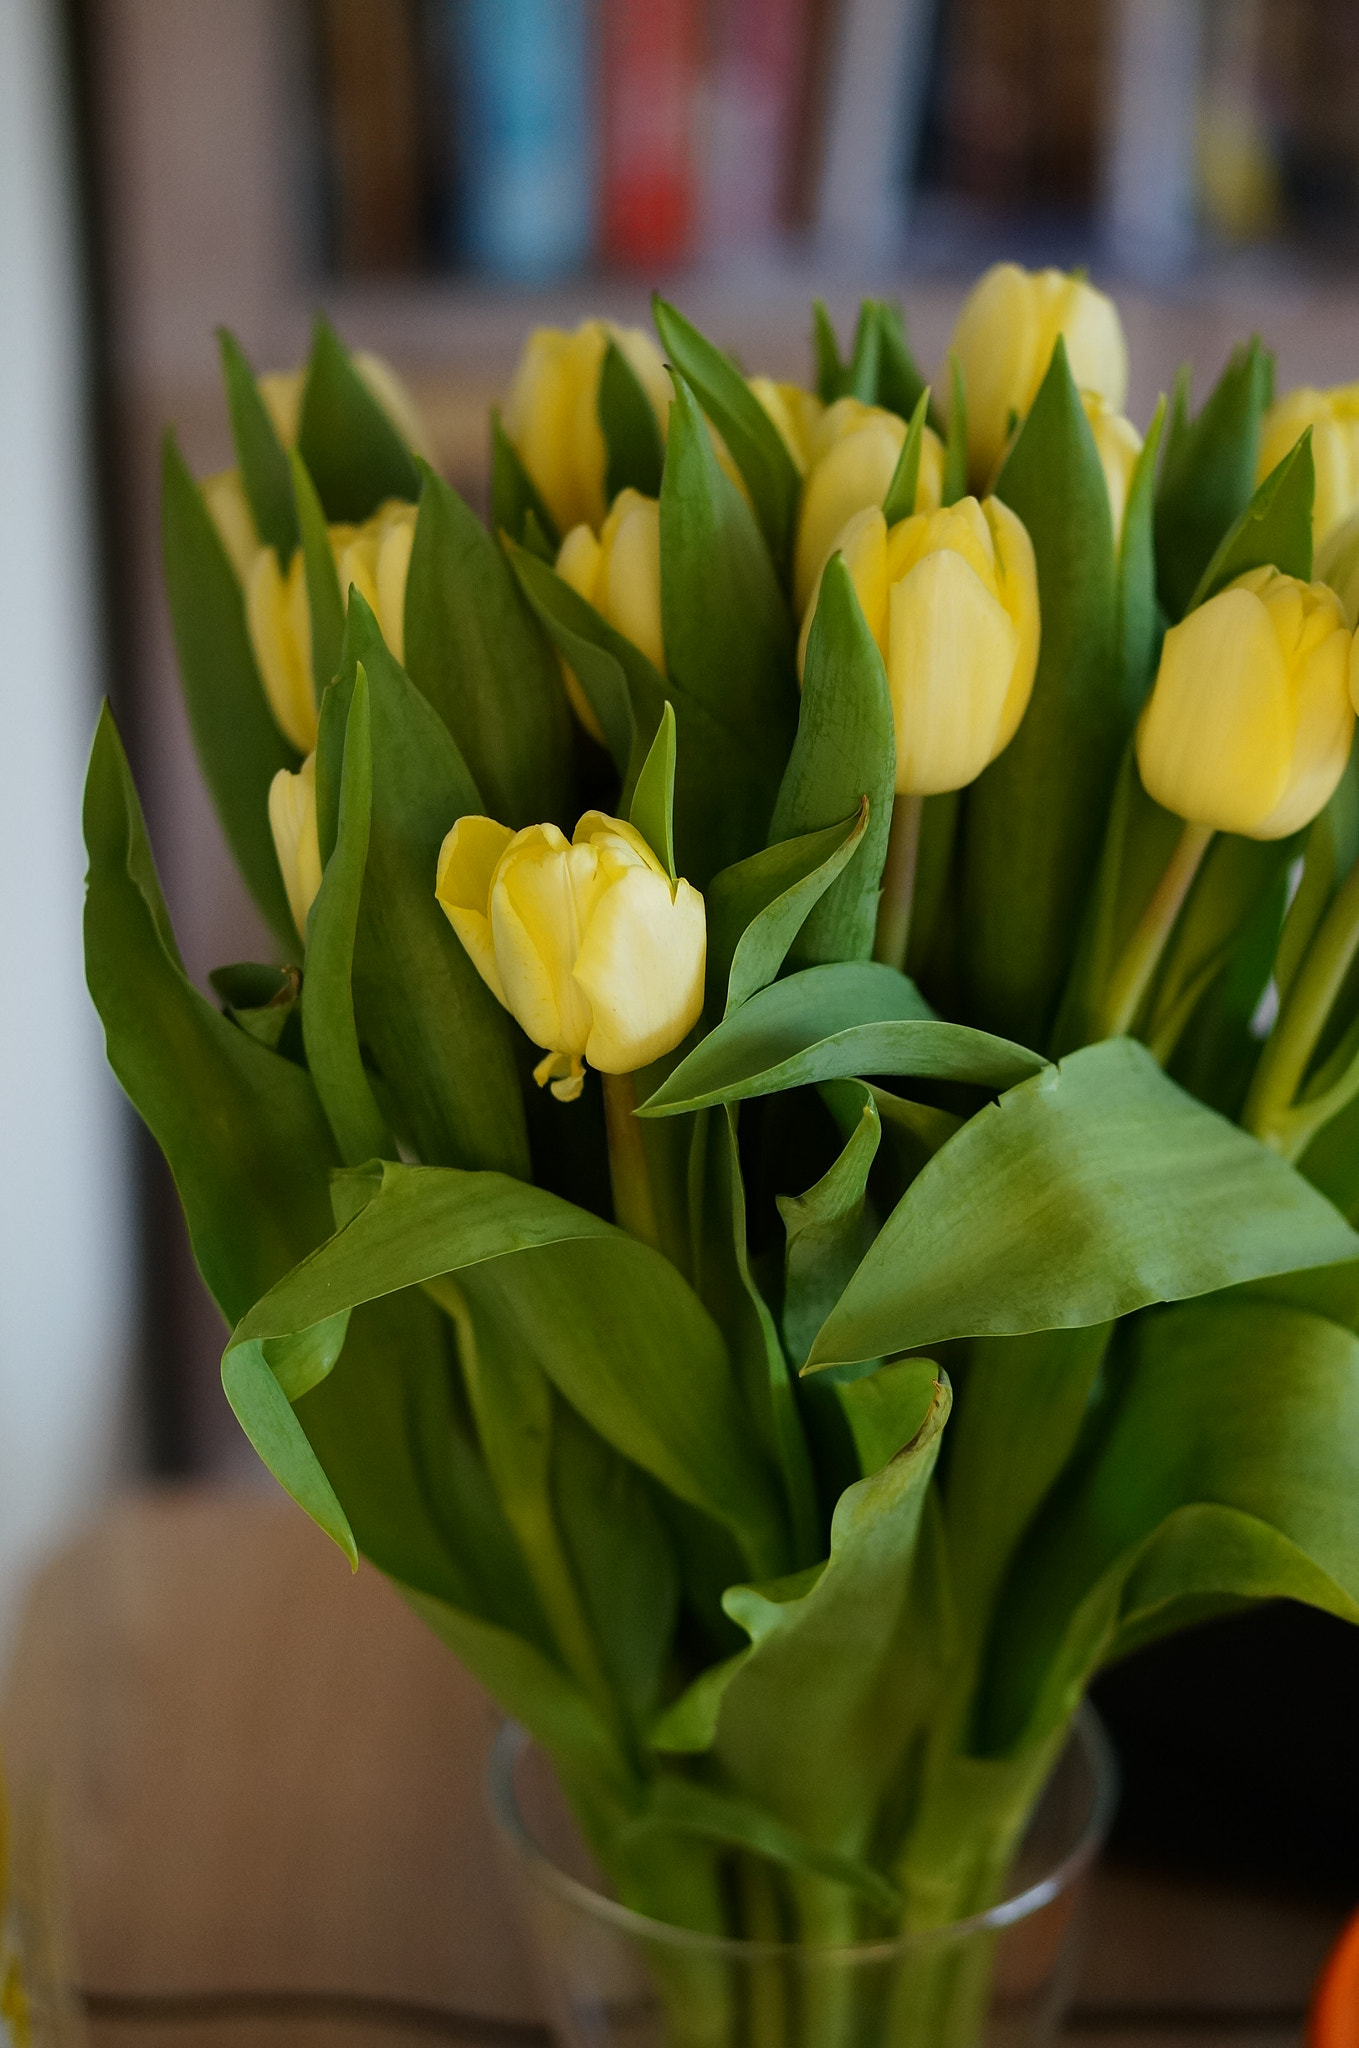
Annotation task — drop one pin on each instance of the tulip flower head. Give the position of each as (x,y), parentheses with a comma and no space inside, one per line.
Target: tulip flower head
(951,597)
(1249,722)
(620,575)
(852,454)
(552,413)
(585,941)
(374,558)
(1004,340)
(1333,417)
(292,820)
(1118,445)
(1337,563)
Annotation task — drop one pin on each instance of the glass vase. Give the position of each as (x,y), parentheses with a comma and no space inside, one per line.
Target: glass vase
(612,1978)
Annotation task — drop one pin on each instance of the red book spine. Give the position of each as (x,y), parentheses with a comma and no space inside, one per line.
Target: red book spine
(651,60)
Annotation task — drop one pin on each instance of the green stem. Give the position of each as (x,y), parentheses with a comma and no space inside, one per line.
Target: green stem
(634,1204)
(898,882)
(1132,975)
(1308,1004)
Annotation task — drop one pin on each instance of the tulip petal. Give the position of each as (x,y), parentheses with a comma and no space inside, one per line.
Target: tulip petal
(542,898)
(1325,731)
(851,474)
(1215,742)
(641,966)
(467,862)
(280,634)
(950,662)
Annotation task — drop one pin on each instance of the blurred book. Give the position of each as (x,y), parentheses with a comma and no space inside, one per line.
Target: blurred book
(877,54)
(370,100)
(754,100)
(522,83)
(651,52)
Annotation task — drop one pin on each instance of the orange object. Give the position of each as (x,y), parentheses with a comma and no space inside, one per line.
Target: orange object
(1334,2018)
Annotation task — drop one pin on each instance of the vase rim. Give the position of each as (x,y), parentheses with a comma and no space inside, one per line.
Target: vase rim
(1087,1734)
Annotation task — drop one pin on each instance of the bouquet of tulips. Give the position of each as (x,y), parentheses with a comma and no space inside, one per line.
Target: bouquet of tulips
(789,1177)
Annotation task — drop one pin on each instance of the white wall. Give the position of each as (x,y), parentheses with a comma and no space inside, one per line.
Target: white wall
(65,1224)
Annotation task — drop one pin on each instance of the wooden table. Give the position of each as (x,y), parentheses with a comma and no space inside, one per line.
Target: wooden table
(265,1779)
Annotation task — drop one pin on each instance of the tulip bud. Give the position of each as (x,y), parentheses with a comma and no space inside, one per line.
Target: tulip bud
(795,412)
(620,575)
(951,597)
(552,412)
(584,941)
(1004,340)
(1249,723)
(375,558)
(853,453)
(292,820)
(1333,417)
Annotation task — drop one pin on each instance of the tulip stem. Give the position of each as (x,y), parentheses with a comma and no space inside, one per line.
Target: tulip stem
(1284,1062)
(634,1205)
(898,882)
(1132,975)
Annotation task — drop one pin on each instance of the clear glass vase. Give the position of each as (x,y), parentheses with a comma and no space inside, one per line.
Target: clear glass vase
(611,1978)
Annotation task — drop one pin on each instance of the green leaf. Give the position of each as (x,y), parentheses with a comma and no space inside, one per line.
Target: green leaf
(514,495)
(613,1325)
(886,1408)
(830,371)
(325,600)
(728,1289)
(1208,476)
(1237,878)
(1275,528)
(955,446)
(328,1027)
(265,1414)
(827,1232)
(1036,817)
(610,670)
(900,384)
(757,908)
(441,1041)
(474,650)
(830,1673)
(845,749)
(262,1001)
(1092,1190)
(241,1128)
(632,438)
(678,1804)
(1136,632)
(653,799)
(260,454)
(861,380)
(755,443)
(1228,1470)
(728,634)
(846,1018)
(240,748)
(354,454)
(689,1724)
(900,500)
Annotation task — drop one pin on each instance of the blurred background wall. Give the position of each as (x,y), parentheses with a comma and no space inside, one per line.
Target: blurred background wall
(438,175)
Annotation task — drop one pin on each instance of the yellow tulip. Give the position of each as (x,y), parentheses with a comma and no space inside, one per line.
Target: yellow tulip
(552,412)
(620,575)
(584,941)
(1249,723)
(292,820)
(852,453)
(1004,340)
(795,412)
(374,558)
(1333,417)
(951,597)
